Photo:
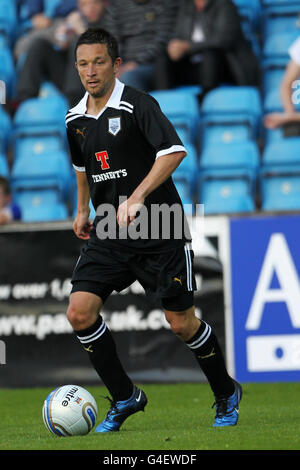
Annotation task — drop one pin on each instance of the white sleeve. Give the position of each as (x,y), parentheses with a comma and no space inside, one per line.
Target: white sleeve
(294,51)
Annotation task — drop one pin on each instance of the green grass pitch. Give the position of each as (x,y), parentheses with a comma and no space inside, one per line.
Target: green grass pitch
(177,417)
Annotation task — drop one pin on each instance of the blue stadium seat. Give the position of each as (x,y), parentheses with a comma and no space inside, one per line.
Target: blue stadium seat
(30,145)
(4,168)
(5,130)
(189,166)
(285,151)
(40,205)
(7,70)
(214,133)
(41,171)
(48,90)
(277,44)
(8,19)
(225,194)
(234,155)
(280,188)
(233,104)
(272,135)
(250,13)
(186,195)
(279,17)
(41,116)
(181,108)
(272,75)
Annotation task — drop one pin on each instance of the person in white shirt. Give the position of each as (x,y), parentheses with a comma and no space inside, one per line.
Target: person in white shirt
(288,92)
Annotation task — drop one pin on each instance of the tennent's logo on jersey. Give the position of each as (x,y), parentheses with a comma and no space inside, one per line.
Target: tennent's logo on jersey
(103,157)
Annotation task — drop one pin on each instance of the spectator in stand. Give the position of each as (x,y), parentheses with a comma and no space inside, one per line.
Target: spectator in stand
(9,211)
(143,29)
(54,62)
(207,48)
(288,98)
(38,19)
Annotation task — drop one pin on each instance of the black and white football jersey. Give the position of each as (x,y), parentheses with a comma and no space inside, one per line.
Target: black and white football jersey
(117,149)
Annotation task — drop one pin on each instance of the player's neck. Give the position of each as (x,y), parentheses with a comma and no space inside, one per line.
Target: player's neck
(96,104)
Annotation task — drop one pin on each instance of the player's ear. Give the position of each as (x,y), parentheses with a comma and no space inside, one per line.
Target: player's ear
(117,65)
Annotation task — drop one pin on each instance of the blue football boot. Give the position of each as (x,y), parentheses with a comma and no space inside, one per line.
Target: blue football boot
(227,409)
(121,410)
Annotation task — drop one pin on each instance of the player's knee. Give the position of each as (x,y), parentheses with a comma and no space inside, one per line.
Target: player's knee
(183,324)
(76,316)
(81,314)
(178,322)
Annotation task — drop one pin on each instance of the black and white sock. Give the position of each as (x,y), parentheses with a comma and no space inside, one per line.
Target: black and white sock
(205,346)
(97,340)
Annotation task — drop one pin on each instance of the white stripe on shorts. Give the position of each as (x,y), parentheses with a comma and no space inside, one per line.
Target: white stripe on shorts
(189,273)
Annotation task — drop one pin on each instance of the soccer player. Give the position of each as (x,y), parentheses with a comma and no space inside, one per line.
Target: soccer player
(124,151)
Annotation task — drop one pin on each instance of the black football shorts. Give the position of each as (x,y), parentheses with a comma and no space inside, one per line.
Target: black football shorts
(166,276)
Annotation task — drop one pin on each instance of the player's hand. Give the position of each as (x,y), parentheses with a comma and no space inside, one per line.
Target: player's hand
(82,226)
(127,211)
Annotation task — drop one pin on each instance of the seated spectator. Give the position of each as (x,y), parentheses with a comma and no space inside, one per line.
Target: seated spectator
(142,28)
(9,211)
(38,19)
(292,73)
(54,62)
(208,48)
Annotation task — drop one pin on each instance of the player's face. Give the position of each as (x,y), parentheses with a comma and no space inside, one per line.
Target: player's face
(96,69)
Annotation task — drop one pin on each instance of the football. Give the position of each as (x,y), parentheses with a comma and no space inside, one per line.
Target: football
(70,410)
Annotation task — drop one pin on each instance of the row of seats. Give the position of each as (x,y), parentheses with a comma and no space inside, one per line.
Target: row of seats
(231,173)
(227,175)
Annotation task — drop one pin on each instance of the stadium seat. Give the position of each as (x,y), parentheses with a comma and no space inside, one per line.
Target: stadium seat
(5,130)
(4,168)
(41,171)
(279,17)
(230,105)
(181,108)
(213,133)
(225,194)
(189,166)
(8,20)
(234,155)
(280,188)
(41,116)
(30,145)
(48,90)
(285,151)
(277,44)
(7,70)
(186,195)
(40,205)
(272,75)
(250,13)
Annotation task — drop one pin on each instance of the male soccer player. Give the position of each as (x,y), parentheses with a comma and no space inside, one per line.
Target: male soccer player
(122,146)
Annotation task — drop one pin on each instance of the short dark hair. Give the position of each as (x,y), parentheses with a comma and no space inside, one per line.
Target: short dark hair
(99,36)
(4,183)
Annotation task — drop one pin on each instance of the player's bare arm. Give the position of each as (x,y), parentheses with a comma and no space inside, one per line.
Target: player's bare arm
(160,172)
(82,225)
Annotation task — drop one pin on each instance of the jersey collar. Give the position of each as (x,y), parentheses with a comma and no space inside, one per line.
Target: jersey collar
(113,102)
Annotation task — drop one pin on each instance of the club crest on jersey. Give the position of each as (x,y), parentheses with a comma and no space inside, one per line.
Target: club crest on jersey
(114,125)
